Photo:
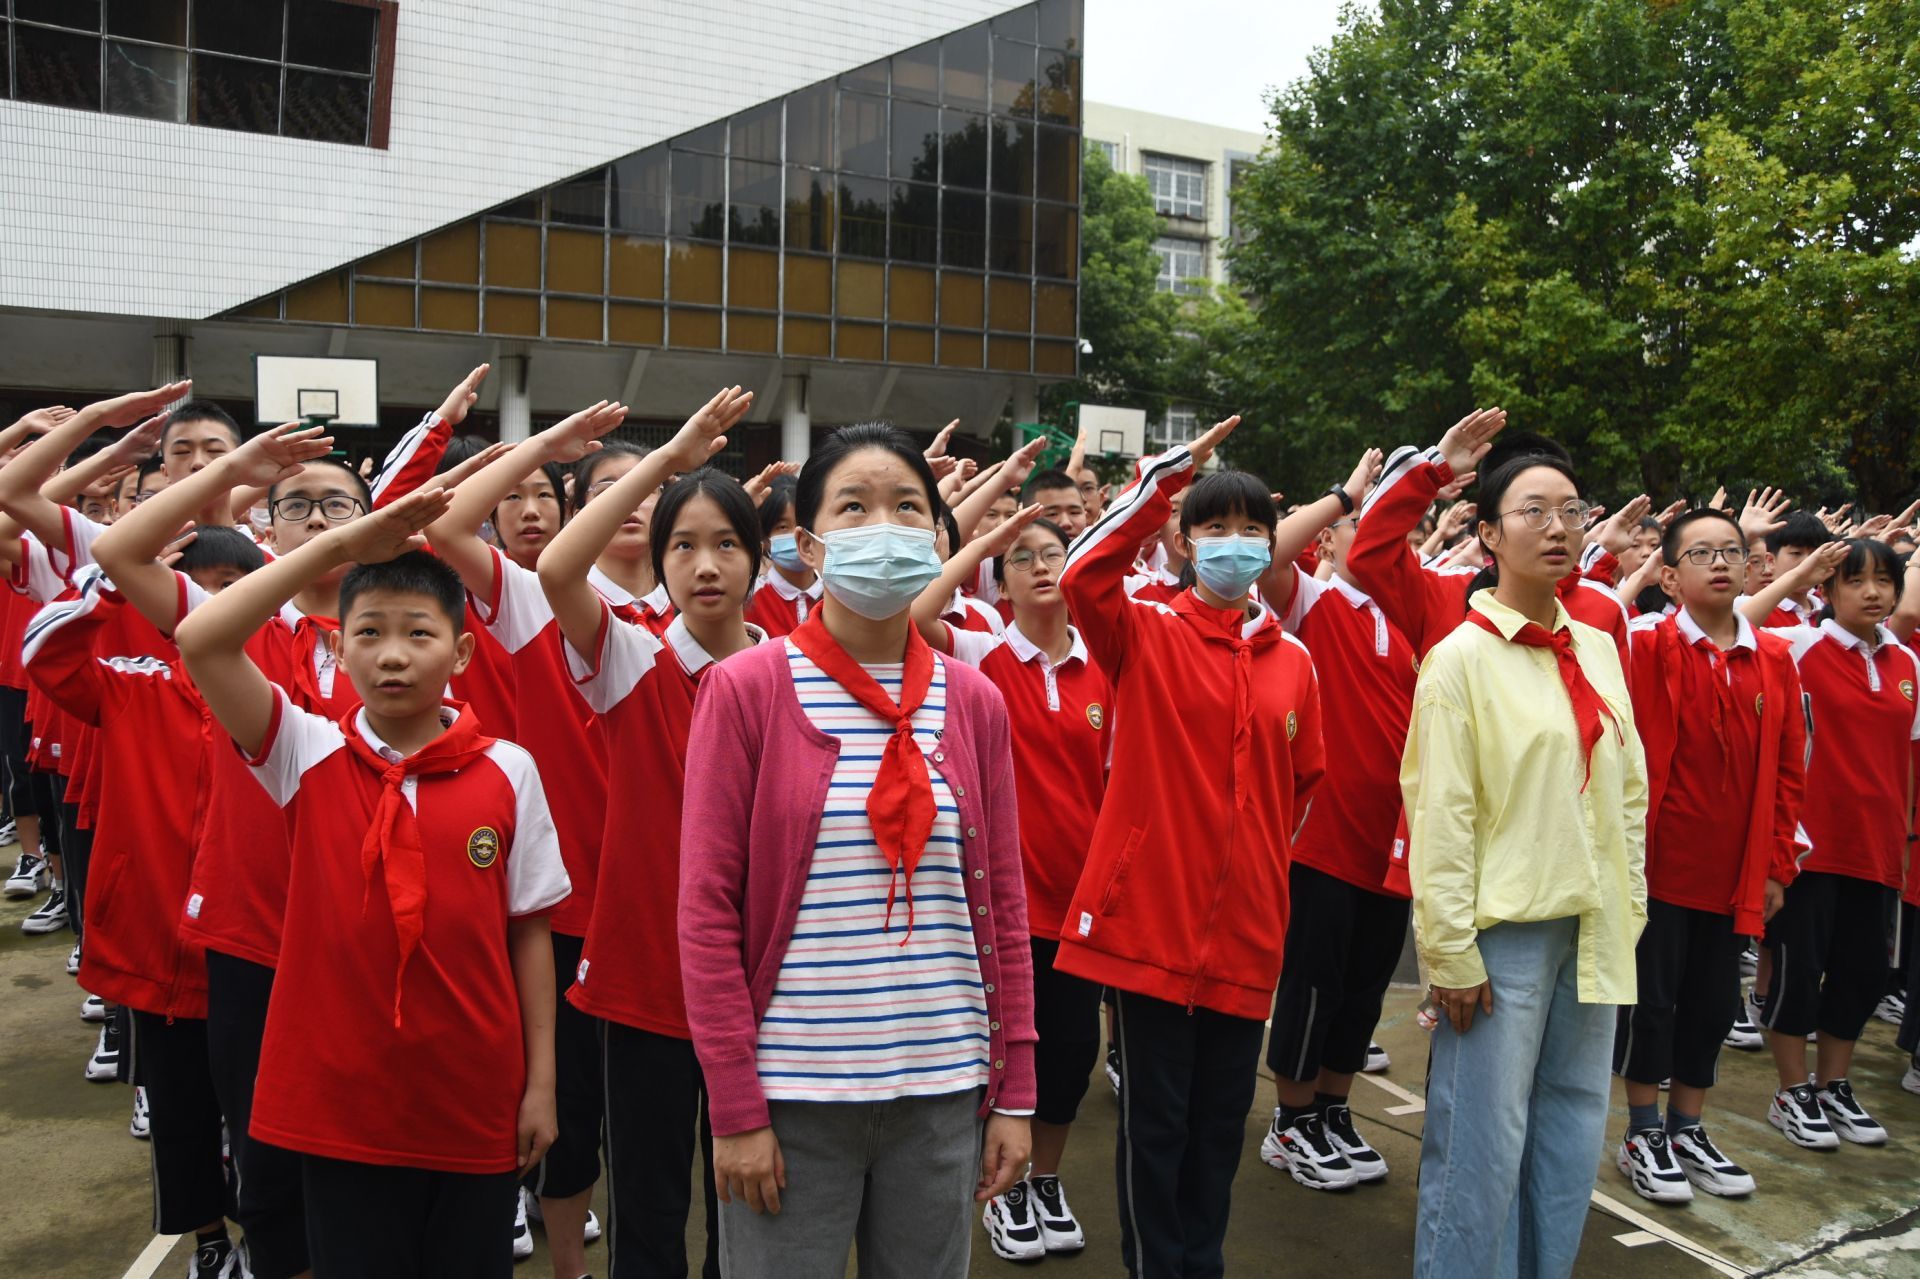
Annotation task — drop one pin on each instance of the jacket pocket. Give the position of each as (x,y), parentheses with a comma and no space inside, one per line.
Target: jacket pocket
(1120,865)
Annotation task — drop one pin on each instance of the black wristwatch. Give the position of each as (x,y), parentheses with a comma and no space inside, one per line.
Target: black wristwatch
(1346,503)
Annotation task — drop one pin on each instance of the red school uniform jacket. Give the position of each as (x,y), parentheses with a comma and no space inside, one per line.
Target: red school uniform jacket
(1861,718)
(1726,766)
(338,1078)
(1184,896)
(1062,719)
(779,606)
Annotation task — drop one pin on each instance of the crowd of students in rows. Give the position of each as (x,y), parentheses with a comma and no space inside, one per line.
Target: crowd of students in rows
(435,841)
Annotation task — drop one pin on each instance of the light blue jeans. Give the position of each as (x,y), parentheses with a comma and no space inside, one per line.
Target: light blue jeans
(1516,1116)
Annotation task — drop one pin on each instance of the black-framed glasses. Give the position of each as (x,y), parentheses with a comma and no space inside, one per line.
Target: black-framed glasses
(1715,554)
(337,508)
(1022,561)
(1573,515)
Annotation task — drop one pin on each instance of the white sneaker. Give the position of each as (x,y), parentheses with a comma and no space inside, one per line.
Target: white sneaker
(1744,1035)
(1113,1068)
(52,915)
(93,1008)
(538,1218)
(522,1232)
(1911,1080)
(73,961)
(1795,1113)
(28,878)
(593,1227)
(1059,1228)
(1366,1161)
(1749,962)
(1848,1117)
(141,1126)
(1892,1008)
(1377,1059)
(1706,1167)
(1011,1226)
(9,833)
(1305,1151)
(1648,1161)
(104,1066)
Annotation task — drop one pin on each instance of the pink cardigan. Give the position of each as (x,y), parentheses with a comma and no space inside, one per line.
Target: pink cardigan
(757,775)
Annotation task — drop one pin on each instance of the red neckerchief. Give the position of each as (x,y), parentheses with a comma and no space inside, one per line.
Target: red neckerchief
(900,806)
(310,630)
(1721,708)
(1588,706)
(393,838)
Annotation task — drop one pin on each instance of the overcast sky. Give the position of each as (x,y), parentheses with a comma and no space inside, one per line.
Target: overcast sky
(1209,60)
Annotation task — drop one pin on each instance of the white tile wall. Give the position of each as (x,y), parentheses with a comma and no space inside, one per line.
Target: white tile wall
(491,98)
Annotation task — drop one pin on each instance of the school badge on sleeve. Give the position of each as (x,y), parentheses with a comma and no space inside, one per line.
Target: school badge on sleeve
(483,847)
(1293,724)
(1759,703)
(1096,716)
(1906,689)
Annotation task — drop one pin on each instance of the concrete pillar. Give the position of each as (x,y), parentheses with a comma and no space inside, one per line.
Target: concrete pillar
(172,356)
(516,406)
(796,425)
(1026,409)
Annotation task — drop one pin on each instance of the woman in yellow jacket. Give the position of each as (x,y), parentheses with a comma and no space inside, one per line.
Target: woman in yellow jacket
(1525,788)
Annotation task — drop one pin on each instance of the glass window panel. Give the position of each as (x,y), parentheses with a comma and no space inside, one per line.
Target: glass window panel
(636,325)
(753,217)
(910,295)
(963,300)
(1055,313)
(162,21)
(910,346)
(963,61)
(323,301)
(386,304)
(452,255)
(916,142)
(1011,245)
(810,125)
(1053,357)
(1059,88)
(959,350)
(237,26)
(57,68)
(693,272)
(963,237)
(573,318)
(808,337)
(526,208)
(863,133)
(964,145)
(394,264)
(1059,165)
(1012,77)
(756,133)
(327,108)
(699,329)
(916,73)
(638,268)
(862,217)
(327,33)
(753,279)
(1056,241)
(83,15)
(575,260)
(1021,23)
(1179,186)
(1183,264)
(809,284)
(265,309)
(712,137)
(513,256)
(1007,355)
(1013,157)
(517,314)
(757,333)
(450,310)
(640,192)
(916,223)
(699,196)
(581,201)
(1060,23)
(809,210)
(861,341)
(145,81)
(235,95)
(863,290)
(1010,304)
(871,78)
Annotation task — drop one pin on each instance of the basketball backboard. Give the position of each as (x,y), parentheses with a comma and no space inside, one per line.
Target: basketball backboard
(315,388)
(1114,432)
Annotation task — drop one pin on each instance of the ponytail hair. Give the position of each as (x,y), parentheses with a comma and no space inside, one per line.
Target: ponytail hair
(1493,491)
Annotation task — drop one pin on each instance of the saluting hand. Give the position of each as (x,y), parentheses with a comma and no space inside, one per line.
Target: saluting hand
(453,410)
(1211,439)
(395,529)
(278,454)
(1468,440)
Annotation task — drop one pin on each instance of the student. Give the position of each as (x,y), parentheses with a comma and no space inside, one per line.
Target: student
(964,611)
(1797,537)
(1182,908)
(1525,789)
(704,542)
(1829,942)
(1058,498)
(409,1048)
(1163,568)
(1717,703)
(791,591)
(199,432)
(624,571)
(851,778)
(1061,708)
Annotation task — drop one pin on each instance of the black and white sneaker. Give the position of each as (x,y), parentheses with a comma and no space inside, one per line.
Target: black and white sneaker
(9,833)
(534,1215)
(93,1008)
(28,878)
(1706,1167)
(522,1232)
(73,961)
(1059,1228)
(1377,1059)
(1011,1226)
(142,1126)
(1113,1068)
(52,915)
(1305,1151)
(1795,1113)
(1892,1007)
(217,1259)
(1749,962)
(1848,1117)
(1648,1161)
(1744,1035)
(1366,1161)
(104,1066)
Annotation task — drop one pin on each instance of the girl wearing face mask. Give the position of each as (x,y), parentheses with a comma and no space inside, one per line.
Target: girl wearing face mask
(852,913)
(1182,907)
(792,590)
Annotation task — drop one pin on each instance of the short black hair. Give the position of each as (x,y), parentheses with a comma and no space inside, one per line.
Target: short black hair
(1045,525)
(458,450)
(1802,530)
(1670,540)
(1862,552)
(811,490)
(946,521)
(1228,493)
(584,469)
(726,493)
(1048,480)
(202,411)
(1509,446)
(215,546)
(410,573)
(778,502)
(148,466)
(356,481)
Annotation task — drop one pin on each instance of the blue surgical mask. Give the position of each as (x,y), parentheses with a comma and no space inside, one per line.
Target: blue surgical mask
(877,570)
(1229,566)
(786,554)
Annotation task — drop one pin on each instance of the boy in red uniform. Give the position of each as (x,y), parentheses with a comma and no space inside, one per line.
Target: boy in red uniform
(409,1044)
(1718,706)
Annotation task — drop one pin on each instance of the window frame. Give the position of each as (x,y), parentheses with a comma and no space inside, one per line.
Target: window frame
(1178,171)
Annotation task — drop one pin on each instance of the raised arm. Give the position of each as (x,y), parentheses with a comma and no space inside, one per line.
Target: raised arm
(22,478)
(962,567)
(1294,534)
(1010,474)
(418,452)
(1809,572)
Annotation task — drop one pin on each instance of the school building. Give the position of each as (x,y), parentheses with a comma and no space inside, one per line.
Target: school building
(856,211)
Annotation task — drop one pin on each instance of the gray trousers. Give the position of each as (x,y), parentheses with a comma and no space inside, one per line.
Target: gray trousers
(893,1179)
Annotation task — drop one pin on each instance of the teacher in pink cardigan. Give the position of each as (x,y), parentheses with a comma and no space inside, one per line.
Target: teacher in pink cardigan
(852,911)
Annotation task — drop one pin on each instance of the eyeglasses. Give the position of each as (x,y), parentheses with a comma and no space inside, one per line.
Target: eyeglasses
(1022,561)
(337,509)
(1715,554)
(1573,515)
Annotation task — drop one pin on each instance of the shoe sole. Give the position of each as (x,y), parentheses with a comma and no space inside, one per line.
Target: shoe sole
(15,892)
(103,1075)
(1706,1183)
(1000,1249)
(1878,1140)
(1071,1244)
(32,929)
(1280,1163)
(1774,1118)
(1680,1194)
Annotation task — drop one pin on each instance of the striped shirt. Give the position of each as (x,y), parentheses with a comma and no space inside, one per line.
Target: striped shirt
(863,1009)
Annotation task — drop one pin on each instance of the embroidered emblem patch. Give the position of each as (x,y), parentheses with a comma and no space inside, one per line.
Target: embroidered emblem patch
(483,847)
(1096,716)
(1759,703)
(1293,724)
(1906,689)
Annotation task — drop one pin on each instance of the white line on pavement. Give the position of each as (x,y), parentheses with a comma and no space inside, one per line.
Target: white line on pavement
(150,1257)
(1701,1253)
(1411,1103)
